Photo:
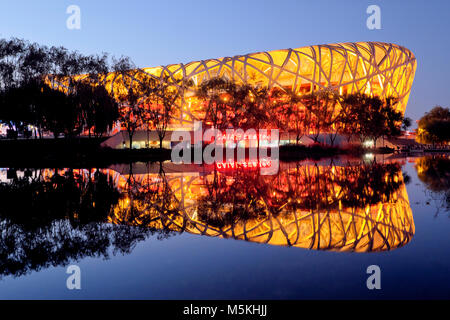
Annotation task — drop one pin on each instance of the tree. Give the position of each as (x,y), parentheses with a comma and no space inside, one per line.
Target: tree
(160,100)
(371,117)
(11,60)
(289,113)
(231,105)
(59,112)
(130,113)
(12,54)
(130,97)
(324,112)
(434,126)
(30,75)
(98,108)
(12,107)
(406,123)
(256,106)
(216,95)
(258,109)
(147,84)
(393,119)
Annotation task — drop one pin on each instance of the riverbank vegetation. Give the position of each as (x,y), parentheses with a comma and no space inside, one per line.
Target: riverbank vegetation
(434,127)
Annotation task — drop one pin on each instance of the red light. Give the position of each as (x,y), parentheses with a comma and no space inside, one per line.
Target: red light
(244,164)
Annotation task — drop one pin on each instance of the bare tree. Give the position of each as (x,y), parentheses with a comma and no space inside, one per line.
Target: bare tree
(130,97)
(160,100)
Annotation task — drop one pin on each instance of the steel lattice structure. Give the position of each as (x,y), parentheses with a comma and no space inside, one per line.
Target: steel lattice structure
(381,69)
(376,68)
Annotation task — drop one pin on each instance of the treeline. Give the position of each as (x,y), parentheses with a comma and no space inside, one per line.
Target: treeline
(52,89)
(323,111)
(54,217)
(225,104)
(31,95)
(434,126)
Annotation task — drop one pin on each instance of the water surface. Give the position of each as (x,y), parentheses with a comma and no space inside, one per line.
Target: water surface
(166,231)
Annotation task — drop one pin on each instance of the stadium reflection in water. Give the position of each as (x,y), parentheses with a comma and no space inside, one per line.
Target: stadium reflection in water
(357,208)
(52,217)
(70,214)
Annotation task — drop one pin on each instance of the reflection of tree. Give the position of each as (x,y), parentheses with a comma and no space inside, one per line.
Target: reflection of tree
(245,194)
(149,202)
(347,208)
(230,199)
(52,220)
(53,217)
(309,187)
(23,251)
(34,202)
(369,184)
(434,172)
(321,207)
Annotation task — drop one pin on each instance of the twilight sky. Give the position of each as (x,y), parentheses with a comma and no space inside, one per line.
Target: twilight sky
(160,32)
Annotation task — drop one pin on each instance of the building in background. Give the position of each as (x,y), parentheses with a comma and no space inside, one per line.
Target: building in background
(374,68)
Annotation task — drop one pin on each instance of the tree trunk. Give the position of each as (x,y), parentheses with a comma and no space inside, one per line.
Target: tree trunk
(130,136)
(333,138)
(316,137)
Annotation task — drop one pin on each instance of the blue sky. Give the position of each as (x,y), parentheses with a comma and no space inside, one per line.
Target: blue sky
(155,33)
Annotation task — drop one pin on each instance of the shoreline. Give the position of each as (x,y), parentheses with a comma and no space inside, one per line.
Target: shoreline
(87,152)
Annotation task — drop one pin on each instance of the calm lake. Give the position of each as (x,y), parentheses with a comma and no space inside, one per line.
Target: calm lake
(168,231)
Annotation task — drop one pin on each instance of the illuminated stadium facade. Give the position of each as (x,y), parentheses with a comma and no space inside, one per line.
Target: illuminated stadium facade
(374,68)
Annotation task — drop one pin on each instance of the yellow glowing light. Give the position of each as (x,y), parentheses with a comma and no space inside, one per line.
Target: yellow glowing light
(375,68)
(375,227)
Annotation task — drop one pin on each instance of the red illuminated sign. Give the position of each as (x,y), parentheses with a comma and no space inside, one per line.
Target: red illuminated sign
(244,164)
(242,136)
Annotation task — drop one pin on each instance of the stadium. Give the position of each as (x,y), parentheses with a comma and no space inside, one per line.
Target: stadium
(373,68)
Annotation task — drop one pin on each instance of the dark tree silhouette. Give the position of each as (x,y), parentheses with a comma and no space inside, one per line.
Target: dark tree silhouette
(55,220)
(371,117)
(434,126)
(434,172)
(40,86)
